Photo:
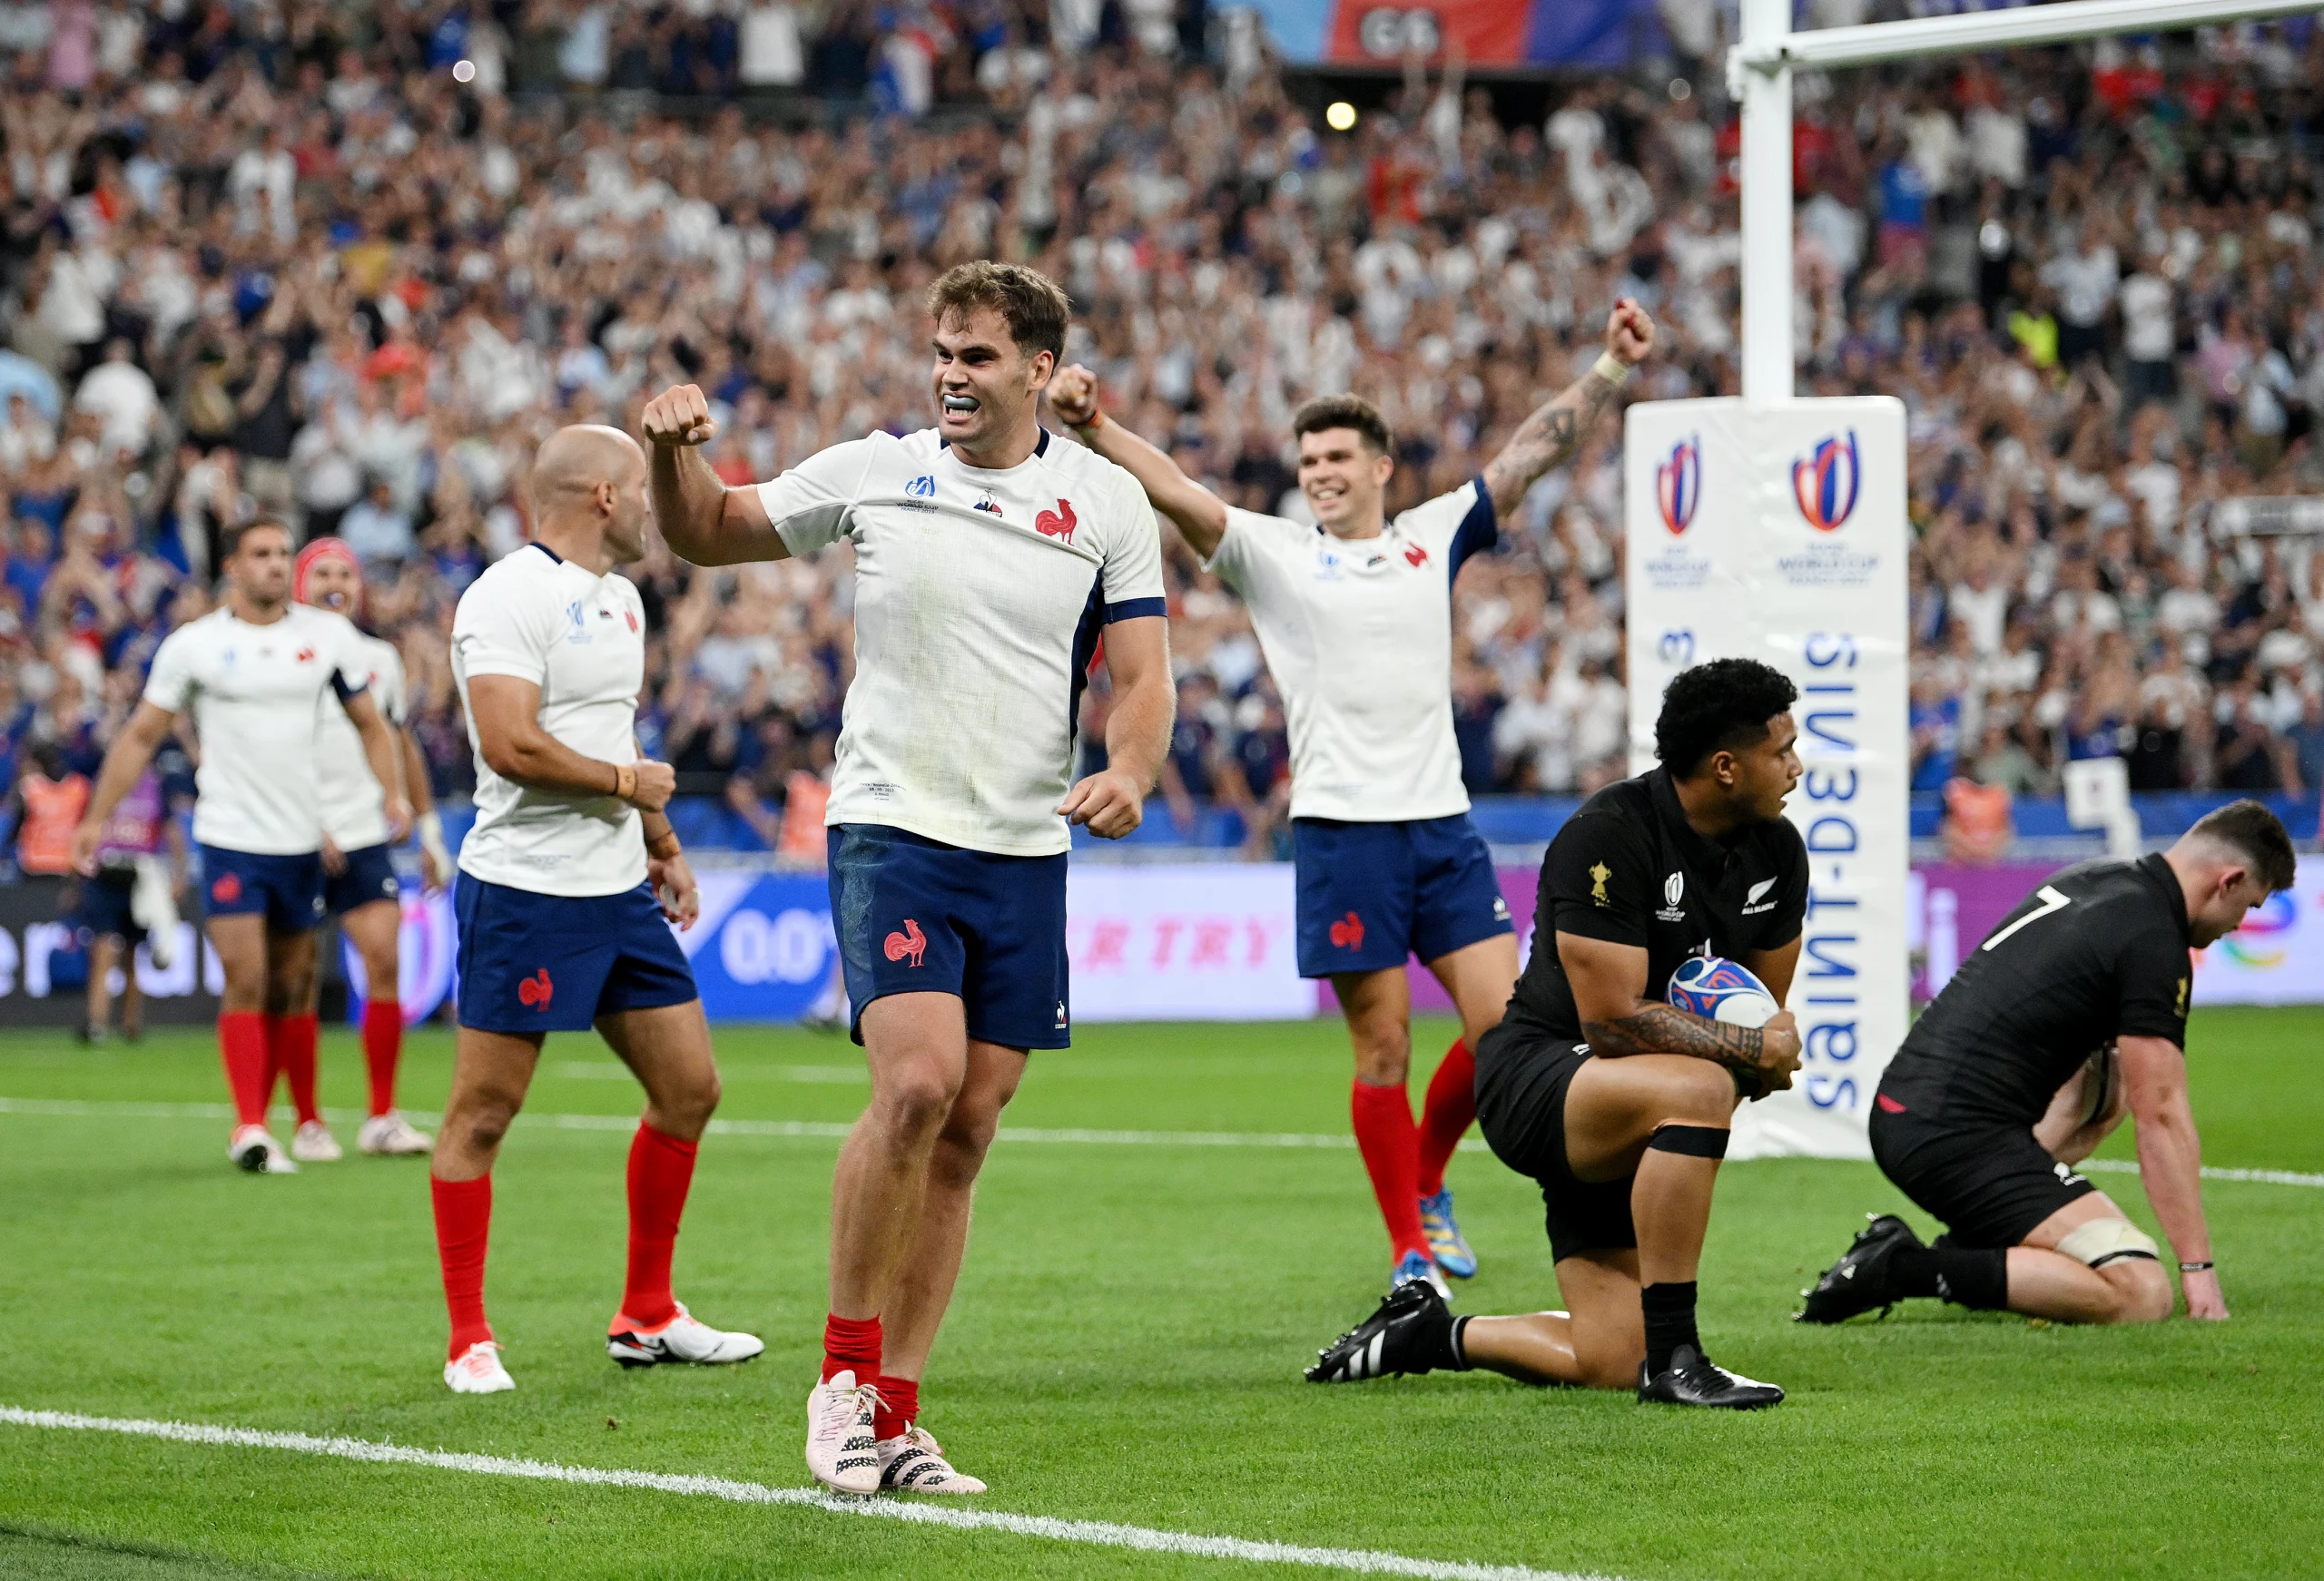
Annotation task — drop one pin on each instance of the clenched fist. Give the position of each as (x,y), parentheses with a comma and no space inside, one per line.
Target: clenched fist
(1073,395)
(680,414)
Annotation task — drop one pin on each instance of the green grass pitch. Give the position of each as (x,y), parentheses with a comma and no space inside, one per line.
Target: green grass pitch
(1124,1346)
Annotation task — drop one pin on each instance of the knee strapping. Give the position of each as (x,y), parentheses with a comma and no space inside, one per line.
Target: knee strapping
(1693,1140)
(2104,1241)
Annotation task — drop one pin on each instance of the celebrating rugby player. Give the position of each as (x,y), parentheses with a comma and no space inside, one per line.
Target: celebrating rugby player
(1355,617)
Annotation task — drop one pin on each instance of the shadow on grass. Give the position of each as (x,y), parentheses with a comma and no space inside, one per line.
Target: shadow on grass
(31,1552)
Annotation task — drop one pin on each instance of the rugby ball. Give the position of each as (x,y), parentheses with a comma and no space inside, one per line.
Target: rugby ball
(2101,1075)
(1717,989)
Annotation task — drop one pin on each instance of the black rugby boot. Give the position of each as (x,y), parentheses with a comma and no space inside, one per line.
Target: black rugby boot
(1862,1279)
(1693,1379)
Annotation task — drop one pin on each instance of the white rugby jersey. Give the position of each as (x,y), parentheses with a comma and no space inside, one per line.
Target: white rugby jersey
(980,597)
(581,639)
(355,804)
(1358,632)
(255,694)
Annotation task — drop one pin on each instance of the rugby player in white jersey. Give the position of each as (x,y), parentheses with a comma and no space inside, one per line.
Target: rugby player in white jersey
(990,558)
(359,885)
(254,675)
(569,883)
(1355,617)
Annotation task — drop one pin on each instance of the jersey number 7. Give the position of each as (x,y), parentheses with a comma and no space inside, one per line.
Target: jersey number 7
(2052,898)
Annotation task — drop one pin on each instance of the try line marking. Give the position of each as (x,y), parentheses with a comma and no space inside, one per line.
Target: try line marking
(1094,1532)
(834,1130)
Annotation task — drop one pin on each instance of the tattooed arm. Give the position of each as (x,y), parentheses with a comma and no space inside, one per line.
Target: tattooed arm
(1609,982)
(1549,438)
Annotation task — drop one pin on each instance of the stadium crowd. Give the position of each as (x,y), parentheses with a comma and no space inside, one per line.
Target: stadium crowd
(347,267)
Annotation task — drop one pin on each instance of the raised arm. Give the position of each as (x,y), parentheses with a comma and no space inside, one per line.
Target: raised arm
(1112,801)
(1200,515)
(2171,1157)
(701,519)
(1609,982)
(1554,432)
(507,712)
(140,736)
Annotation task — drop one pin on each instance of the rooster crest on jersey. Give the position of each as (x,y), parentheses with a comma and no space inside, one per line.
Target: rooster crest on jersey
(907,945)
(1057,524)
(1717,989)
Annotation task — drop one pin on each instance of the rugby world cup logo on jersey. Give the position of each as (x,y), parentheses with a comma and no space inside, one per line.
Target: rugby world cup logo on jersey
(1825,481)
(1674,890)
(1679,485)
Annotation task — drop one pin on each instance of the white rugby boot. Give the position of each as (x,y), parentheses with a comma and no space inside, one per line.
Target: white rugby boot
(913,1462)
(478,1371)
(684,1338)
(841,1450)
(391,1136)
(312,1142)
(254,1148)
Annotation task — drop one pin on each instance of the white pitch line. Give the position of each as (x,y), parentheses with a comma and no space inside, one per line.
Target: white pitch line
(832,1130)
(1094,1532)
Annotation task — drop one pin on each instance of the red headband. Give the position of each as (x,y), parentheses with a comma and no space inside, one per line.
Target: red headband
(326,549)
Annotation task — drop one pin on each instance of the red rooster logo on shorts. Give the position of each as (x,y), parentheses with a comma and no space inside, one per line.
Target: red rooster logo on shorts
(909,945)
(1348,933)
(533,992)
(227,890)
(1057,524)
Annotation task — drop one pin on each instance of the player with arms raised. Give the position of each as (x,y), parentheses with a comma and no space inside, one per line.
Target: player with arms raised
(1617,1102)
(989,559)
(568,882)
(359,885)
(254,674)
(1355,617)
(1996,1094)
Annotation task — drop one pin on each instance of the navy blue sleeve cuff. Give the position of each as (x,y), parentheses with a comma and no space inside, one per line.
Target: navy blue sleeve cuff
(338,686)
(1482,525)
(1136,608)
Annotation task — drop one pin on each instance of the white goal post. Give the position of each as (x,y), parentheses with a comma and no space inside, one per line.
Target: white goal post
(1774,528)
(1759,73)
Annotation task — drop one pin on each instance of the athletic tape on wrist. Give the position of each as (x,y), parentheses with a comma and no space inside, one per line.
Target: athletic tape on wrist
(1612,368)
(1692,1141)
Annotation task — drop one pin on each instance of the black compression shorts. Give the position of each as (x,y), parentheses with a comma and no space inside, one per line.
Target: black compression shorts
(1991,1184)
(1521,1082)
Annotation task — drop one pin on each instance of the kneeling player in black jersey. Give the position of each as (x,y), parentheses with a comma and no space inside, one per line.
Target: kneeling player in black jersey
(1989,1104)
(1616,1102)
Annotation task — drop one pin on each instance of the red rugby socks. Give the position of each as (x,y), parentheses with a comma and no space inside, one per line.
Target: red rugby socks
(1385,1135)
(1444,1118)
(898,1406)
(851,1345)
(382,1048)
(463,1227)
(291,1039)
(242,1047)
(661,1169)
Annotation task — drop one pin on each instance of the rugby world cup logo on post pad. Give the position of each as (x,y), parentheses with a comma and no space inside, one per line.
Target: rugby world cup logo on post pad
(1679,485)
(1824,482)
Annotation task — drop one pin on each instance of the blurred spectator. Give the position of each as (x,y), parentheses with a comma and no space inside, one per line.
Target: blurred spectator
(291,265)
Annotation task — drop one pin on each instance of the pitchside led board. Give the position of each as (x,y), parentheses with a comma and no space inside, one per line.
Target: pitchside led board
(1776,532)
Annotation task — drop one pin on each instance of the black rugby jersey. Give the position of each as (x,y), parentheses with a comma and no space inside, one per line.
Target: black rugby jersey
(1629,869)
(2098,952)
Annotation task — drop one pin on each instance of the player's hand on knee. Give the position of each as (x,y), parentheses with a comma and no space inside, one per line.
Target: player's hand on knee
(1778,1052)
(679,416)
(656,783)
(2203,1297)
(1109,803)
